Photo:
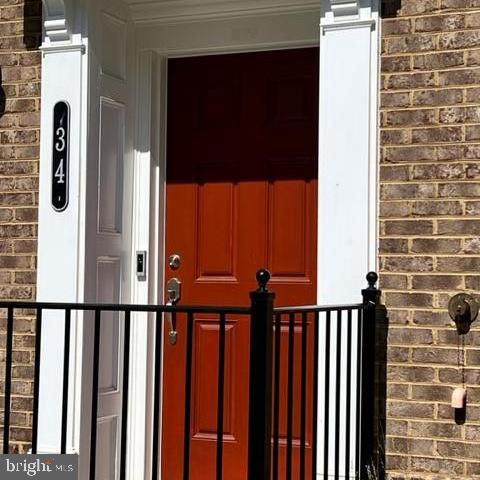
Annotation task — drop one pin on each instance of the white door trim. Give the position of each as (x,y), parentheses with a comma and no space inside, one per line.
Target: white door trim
(170,41)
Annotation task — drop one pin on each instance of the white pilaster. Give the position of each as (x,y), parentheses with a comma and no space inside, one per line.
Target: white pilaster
(347,201)
(347,147)
(60,234)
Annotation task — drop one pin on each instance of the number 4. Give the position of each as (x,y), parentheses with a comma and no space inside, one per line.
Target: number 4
(59,174)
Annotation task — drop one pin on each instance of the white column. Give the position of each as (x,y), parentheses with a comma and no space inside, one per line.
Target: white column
(59,238)
(347,148)
(347,201)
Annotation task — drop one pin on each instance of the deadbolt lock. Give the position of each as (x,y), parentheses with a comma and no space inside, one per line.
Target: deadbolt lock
(174,261)
(174,291)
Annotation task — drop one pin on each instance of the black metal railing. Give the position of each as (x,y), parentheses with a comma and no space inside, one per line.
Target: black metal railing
(312,383)
(335,397)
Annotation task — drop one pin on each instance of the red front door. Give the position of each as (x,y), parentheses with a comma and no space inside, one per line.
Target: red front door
(241,195)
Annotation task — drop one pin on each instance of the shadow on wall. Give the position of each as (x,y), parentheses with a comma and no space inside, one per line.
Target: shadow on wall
(390,8)
(32,24)
(32,38)
(3,97)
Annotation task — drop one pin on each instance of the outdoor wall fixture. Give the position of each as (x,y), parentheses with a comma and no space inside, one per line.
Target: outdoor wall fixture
(463,310)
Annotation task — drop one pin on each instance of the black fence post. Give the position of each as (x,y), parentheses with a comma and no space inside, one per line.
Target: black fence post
(261,374)
(371,437)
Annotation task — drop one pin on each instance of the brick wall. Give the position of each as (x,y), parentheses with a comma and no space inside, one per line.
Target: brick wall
(430,230)
(20,29)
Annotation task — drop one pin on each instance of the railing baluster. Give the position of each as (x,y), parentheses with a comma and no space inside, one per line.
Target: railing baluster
(36,385)
(316,330)
(66,364)
(303,387)
(94,412)
(188,393)
(358,392)
(157,387)
(276,395)
(126,382)
(291,364)
(348,403)
(8,382)
(221,395)
(327,398)
(338,390)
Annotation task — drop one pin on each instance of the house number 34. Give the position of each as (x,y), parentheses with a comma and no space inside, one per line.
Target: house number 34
(60,156)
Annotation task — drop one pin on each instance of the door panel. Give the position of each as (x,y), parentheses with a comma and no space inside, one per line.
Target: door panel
(241,195)
(105,251)
(217,208)
(206,389)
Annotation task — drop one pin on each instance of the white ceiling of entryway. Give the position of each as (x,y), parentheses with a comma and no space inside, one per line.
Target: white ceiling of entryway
(171,11)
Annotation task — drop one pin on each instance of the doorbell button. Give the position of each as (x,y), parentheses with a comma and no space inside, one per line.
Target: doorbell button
(141,268)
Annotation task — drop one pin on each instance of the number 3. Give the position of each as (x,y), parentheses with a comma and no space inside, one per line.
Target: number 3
(60,145)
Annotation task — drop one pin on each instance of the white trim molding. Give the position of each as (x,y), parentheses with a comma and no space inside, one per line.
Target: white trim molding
(342,8)
(348,11)
(179,11)
(55,22)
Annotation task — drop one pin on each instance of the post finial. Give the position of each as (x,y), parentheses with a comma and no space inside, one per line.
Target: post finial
(372,279)
(263,277)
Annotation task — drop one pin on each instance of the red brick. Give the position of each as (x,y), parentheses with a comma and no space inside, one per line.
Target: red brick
(438,172)
(437,97)
(414,80)
(410,154)
(411,44)
(437,282)
(436,245)
(437,135)
(415,7)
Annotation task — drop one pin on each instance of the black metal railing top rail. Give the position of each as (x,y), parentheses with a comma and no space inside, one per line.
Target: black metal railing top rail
(33,307)
(311,383)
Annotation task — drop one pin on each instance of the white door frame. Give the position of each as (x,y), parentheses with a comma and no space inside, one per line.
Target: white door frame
(149,229)
(349,190)
(348,110)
